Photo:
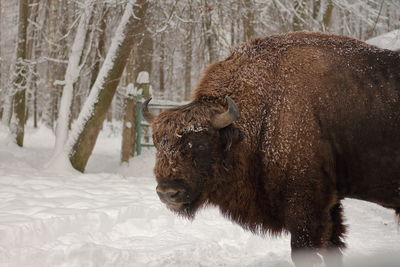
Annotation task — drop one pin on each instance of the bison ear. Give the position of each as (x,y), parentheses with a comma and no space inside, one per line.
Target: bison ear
(230,136)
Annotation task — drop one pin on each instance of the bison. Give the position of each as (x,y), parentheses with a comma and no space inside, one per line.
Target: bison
(278,133)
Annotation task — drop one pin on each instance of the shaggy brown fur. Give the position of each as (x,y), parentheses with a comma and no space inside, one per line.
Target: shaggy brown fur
(319,121)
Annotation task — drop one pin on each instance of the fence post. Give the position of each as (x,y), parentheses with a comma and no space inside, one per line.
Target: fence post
(138,125)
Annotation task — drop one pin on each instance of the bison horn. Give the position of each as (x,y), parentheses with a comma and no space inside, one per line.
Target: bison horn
(147,115)
(224,119)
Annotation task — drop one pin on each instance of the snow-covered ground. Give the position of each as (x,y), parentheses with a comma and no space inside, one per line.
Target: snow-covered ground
(111,216)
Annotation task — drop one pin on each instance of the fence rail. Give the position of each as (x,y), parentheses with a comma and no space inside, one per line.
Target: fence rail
(143,131)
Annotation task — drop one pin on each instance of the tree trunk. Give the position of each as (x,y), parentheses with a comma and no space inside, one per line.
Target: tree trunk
(35,96)
(128,144)
(326,21)
(32,55)
(210,36)
(83,137)
(21,72)
(162,63)
(100,51)
(232,32)
(138,72)
(71,76)
(51,23)
(188,55)
(248,20)
(97,59)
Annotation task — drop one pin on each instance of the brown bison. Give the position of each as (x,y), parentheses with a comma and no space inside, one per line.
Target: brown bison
(280,132)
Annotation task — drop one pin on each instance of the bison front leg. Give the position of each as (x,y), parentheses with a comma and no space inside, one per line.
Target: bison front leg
(310,221)
(309,192)
(304,246)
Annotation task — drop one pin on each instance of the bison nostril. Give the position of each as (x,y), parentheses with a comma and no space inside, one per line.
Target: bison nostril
(173,194)
(169,194)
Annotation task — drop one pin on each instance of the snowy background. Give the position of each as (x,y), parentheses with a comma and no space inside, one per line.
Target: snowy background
(111,216)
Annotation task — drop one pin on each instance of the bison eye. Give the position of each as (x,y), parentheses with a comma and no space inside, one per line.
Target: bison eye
(201,147)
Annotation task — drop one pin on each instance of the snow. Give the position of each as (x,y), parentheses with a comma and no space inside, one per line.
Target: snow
(390,40)
(111,216)
(143,77)
(128,125)
(131,90)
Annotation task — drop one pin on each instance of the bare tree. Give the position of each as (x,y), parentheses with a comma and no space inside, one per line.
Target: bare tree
(248,20)
(161,67)
(327,17)
(32,42)
(188,51)
(209,34)
(18,118)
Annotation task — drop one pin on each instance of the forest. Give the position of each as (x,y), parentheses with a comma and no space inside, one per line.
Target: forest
(69,65)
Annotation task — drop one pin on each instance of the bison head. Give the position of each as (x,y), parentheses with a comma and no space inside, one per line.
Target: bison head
(194,146)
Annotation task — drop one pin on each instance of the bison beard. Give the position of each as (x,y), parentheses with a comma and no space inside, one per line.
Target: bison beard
(319,121)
